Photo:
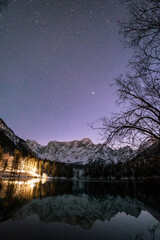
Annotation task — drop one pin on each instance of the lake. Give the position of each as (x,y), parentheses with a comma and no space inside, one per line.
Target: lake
(79,209)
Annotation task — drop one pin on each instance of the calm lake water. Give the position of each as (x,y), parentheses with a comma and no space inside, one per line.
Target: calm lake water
(79,210)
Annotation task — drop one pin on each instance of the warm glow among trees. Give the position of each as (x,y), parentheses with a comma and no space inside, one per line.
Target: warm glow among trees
(17,165)
(1,153)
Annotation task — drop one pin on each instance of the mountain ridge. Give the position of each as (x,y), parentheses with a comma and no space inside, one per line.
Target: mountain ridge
(9,141)
(80,151)
(82,158)
(77,151)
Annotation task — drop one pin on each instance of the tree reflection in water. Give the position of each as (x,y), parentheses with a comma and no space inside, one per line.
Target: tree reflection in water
(79,203)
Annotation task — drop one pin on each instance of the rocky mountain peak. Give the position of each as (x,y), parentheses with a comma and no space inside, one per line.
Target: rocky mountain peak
(3,126)
(9,141)
(87,141)
(82,152)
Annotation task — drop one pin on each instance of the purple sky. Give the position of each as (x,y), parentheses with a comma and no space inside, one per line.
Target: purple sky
(58,59)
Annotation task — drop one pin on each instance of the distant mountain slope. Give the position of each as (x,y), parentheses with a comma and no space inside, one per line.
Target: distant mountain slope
(88,159)
(9,141)
(82,152)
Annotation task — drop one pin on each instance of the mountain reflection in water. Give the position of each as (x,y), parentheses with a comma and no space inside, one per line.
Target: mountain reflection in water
(80,208)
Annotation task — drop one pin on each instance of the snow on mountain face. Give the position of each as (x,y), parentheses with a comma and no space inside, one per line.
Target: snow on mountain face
(8,132)
(4,126)
(82,152)
(9,141)
(82,210)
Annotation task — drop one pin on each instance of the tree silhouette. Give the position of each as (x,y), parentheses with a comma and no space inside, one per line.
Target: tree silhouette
(138,89)
(141,32)
(16,160)
(1,153)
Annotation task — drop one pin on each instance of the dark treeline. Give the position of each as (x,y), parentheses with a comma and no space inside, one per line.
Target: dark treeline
(18,165)
(142,191)
(137,168)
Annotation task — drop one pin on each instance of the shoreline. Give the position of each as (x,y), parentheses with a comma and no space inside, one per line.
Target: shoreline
(28,177)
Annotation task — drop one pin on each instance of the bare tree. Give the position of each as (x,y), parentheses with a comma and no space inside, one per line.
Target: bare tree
(139,88)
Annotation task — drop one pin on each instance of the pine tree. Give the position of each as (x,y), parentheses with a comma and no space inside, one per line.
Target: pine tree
(16,160)
(1,153)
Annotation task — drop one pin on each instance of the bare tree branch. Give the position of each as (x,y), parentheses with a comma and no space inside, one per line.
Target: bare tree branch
(139,88)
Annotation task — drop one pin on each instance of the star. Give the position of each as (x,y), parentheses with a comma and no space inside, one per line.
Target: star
(51,48)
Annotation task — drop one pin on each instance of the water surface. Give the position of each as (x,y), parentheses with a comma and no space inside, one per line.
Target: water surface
(79,210)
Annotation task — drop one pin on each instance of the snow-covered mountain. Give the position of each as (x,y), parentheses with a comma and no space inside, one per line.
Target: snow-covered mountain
(78,202)
(82,210)
(82,152)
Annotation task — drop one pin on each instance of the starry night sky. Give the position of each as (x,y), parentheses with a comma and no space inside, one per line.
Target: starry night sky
(57,61)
